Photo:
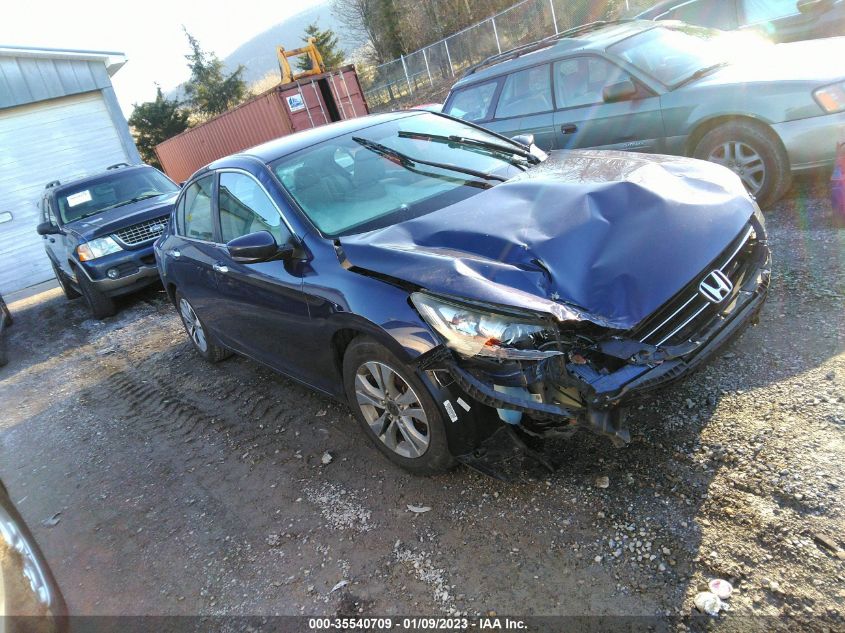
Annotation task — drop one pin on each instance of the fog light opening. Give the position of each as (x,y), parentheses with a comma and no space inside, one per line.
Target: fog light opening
(113,273)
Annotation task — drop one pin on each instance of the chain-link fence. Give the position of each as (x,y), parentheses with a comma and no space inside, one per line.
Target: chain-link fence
(432,70)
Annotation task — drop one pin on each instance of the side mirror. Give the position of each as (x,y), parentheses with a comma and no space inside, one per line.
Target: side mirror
(621,91)
(48,228)
(524,139)
(810,7)
(257,247)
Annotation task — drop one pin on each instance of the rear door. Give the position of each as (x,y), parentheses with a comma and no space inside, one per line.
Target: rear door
(526,106)
(195,254)
(261,311)
(583,119)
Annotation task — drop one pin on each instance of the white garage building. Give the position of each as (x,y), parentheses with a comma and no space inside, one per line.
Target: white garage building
(59,120)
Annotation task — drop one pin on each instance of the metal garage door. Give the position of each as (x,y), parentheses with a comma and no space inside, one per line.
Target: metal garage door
(60,139)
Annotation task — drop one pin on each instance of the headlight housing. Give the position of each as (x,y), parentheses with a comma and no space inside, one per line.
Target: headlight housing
(831,98)
(474,332)
(97,248)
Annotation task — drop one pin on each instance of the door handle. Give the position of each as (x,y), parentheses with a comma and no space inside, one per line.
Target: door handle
(175,253)
(569,128)
(220,268)
(52,240)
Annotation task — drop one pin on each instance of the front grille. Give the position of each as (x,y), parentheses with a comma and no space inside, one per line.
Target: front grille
(689,312)
(142,232)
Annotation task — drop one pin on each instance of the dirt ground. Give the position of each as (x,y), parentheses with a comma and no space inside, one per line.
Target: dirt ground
(188,488)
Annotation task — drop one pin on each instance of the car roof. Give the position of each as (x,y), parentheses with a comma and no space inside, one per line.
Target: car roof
(598,39)
(272,150)
(57,187)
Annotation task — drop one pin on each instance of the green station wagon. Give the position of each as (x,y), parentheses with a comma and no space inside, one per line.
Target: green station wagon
(765,111)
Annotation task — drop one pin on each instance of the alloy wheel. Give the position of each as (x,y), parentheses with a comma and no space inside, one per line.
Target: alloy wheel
(744,161)
(193,325)
(392,409)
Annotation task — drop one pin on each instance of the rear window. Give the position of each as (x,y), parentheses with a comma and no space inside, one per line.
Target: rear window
(473,103)
(114,189)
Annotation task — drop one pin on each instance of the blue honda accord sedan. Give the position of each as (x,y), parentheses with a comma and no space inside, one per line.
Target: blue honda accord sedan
(460,290)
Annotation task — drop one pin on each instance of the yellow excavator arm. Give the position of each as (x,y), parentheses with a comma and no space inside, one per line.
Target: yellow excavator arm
(310,49)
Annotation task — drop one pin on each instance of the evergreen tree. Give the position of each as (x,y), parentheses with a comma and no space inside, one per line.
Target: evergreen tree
(155,121)
(209,91)
(326,42)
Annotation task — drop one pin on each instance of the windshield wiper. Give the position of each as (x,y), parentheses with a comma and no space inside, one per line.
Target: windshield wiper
(407,161)
(474,142)
(130,201)
(698,74)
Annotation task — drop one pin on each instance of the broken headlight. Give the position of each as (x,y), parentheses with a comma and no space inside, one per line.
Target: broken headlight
(472,332)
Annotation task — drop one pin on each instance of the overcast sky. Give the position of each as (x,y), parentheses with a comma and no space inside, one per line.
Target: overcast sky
(149,32)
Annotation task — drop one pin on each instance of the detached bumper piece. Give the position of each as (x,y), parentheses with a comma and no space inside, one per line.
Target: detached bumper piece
(588,387)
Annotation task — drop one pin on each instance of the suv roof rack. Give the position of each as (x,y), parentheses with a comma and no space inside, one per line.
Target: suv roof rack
(117,166)
(539,44)
(51,184)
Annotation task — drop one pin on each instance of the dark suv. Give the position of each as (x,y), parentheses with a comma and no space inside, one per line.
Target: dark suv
(99,232)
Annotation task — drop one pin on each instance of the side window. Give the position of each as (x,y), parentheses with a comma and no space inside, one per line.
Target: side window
(580,81)
(473,103)
(528,91)
(180,216)
(47,212)
(757,11)
(246,208)
(716,15)
(197,221)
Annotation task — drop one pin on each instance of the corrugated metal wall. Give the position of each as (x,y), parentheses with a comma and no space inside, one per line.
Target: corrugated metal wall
(251,123)
(29,79)
(276,113)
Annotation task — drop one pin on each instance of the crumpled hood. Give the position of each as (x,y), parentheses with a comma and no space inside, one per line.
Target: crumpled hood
(108,222)
(603,236)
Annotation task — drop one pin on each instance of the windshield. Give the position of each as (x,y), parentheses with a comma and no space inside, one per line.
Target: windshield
(114,189)
(363,180)
(673,55)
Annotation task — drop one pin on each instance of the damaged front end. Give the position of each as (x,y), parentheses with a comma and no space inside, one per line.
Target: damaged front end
(549,378)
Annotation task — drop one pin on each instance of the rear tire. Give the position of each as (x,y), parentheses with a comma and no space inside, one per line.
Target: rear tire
(101,305)
(64,282)
(409,430)
(752,152)
(198,334)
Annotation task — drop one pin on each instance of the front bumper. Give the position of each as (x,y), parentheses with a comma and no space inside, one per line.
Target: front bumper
(811,143)
(135,269)
(640,368)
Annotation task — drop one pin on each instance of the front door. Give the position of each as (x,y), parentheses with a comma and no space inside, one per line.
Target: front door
(261,310)
(583,119)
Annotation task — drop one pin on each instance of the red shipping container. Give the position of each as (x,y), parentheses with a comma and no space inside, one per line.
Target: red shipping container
(306,103)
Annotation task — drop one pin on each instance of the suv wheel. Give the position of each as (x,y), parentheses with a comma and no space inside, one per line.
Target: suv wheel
(749,150)
(395,409)
(198,333)
(64,282)
(101,305)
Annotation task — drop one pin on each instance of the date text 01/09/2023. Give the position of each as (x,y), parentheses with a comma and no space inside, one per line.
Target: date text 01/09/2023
(416,624)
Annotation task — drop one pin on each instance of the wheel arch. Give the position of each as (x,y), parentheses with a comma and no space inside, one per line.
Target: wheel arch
(708,125)
(400,341)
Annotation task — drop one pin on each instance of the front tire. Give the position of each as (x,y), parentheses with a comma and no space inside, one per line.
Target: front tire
(198,333)
(101,305)
(753,153)
(395,408)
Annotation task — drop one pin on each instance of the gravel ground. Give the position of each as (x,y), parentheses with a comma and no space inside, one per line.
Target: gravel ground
(187,488)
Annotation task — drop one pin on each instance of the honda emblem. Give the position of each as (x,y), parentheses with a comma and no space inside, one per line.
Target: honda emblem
(715,287)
